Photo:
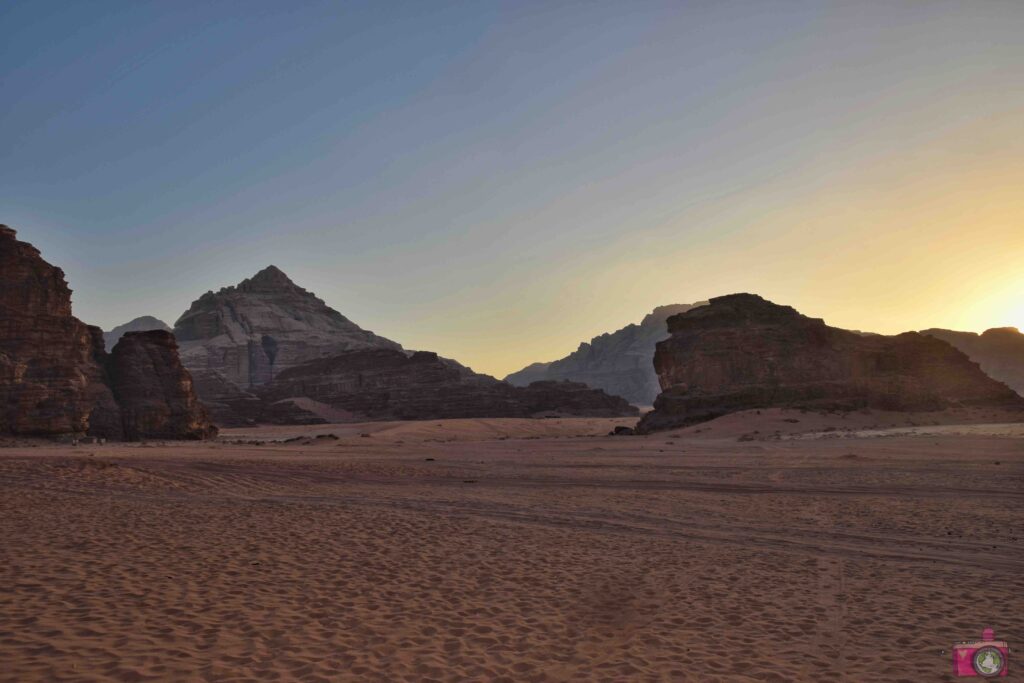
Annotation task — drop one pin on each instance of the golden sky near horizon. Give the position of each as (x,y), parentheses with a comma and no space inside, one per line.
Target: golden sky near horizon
(906,242)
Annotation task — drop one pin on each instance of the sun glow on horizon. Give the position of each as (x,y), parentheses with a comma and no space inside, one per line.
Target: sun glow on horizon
(1003,307)
(1015,316)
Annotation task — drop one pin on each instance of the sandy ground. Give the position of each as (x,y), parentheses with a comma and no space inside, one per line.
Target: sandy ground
(507,550)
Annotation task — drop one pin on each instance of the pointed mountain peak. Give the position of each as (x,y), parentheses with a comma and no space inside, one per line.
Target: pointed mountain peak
(272,276)
(270,280)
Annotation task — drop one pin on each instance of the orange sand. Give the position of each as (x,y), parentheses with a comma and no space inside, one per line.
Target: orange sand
(518,553)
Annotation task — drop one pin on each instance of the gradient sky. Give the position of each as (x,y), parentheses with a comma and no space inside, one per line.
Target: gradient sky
(498,181)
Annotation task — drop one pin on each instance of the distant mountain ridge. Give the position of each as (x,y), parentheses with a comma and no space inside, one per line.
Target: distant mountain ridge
(143,323)
(999,351)
(620,362)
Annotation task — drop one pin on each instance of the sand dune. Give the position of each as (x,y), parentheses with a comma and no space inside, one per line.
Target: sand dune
(508,551)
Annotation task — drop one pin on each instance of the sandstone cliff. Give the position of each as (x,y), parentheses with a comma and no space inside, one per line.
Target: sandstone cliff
(999,351)
(619,362)
(54,377)
(141,324)
(741,352)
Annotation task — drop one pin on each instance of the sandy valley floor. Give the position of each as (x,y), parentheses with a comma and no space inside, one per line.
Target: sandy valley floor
(510,550)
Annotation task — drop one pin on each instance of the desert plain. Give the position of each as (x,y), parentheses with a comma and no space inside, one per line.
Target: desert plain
(773,546)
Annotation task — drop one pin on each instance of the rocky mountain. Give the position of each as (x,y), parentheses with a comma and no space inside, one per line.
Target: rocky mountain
(141,324)
(742,352)
(56,378)
(619,362)
(999,351)
(268,351)
(249,333)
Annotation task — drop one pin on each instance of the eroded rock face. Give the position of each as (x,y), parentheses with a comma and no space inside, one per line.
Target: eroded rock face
(251,332)
(52,380)
(53,367)
(141,324)
(390,384)
(154,390)
(999,351)
(742,352)
(619,362)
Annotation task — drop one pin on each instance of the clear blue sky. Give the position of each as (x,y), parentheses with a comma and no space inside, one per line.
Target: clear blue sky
(497,181)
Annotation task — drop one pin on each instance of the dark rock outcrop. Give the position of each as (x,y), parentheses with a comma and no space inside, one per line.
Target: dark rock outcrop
(391,384)
(742,352)
(251,332)
(53,367)
(619,362)
(999,351)
(154,390)
(141,324)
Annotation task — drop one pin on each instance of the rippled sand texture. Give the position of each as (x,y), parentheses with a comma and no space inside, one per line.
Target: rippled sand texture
(513,555)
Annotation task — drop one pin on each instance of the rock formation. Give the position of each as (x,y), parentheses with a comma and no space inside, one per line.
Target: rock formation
(142,324)
(742,352)
(392,384)
(154,390)
(999,351)
(251,332)
(619,362)
(54,378)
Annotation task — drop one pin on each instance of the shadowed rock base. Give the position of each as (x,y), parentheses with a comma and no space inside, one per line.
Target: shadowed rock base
(389,384)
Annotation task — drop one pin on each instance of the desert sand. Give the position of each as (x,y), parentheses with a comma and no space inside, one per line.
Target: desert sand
(753,548)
